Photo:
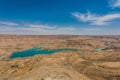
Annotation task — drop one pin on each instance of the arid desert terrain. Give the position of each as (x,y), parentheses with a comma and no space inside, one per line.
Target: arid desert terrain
(96,58)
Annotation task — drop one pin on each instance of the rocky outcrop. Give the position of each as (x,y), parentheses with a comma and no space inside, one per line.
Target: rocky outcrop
(88,65)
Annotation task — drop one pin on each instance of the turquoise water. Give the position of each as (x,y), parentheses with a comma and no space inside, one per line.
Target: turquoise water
(100,49)
(37,50)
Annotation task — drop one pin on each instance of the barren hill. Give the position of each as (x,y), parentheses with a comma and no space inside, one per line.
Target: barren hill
(88,65)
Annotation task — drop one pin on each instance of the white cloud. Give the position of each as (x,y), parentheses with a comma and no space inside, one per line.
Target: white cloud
(36,29)
(40,26)
(94,19)
(114,3)
(8,23)
(59,30)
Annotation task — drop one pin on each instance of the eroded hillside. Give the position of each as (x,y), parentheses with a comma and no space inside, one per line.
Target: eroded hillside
(91,64)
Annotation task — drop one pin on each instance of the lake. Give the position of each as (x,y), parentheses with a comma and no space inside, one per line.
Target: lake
(35,51)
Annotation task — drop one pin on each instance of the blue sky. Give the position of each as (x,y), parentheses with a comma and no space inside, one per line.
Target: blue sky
(74,17)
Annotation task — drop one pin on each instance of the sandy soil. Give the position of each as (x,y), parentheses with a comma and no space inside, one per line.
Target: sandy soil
(88,65)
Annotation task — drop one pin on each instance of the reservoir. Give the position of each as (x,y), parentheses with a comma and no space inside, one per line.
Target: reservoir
(35,51)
